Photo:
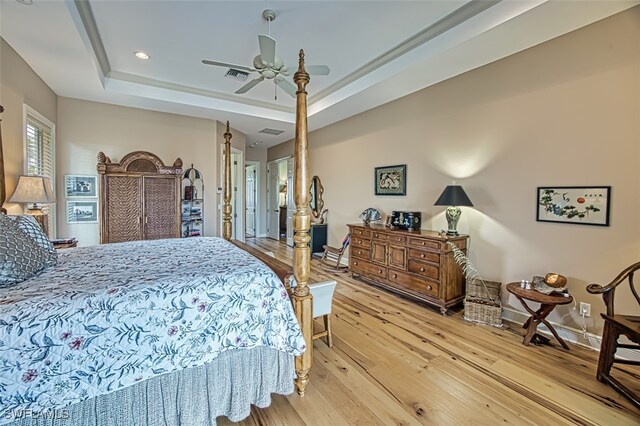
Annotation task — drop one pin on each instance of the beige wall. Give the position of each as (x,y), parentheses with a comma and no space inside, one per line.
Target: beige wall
(566,112)
(19,85)
(85,128)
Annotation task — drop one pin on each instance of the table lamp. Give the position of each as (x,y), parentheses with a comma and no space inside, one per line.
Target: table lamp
(453,196)
(34,190)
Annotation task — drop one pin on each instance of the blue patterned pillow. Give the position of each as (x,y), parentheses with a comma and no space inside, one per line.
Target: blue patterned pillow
(20,257)
(31,227)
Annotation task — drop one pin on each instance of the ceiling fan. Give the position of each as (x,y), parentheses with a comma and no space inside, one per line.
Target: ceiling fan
(268,65)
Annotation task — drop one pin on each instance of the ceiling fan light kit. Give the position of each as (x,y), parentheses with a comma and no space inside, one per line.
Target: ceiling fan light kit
(268,65)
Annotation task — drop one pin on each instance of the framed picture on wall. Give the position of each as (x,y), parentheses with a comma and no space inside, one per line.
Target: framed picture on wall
(80,186)
(580,205)
(391,180)
(82,211)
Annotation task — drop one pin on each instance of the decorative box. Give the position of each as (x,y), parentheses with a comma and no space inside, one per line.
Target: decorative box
(411,221)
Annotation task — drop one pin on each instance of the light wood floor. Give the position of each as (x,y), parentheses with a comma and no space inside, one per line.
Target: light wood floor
(398,362)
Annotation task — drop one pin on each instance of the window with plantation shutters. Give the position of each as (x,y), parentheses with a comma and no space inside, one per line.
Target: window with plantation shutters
(39,148)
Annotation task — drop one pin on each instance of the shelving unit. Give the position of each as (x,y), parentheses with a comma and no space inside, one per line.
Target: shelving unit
(192,204)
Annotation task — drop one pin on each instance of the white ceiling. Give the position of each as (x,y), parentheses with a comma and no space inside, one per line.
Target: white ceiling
(378,51)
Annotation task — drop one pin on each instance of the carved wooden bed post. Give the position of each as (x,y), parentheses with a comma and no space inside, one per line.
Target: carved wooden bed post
(302,299)
(3,191)
(226,209)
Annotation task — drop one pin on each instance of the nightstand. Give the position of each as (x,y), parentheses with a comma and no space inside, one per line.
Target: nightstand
(66,243)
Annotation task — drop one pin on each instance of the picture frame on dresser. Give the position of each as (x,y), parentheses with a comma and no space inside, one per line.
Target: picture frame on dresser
(81,186)
(578,205)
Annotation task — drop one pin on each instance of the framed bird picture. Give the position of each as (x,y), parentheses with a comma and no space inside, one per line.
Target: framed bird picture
(581,205)
(391,180)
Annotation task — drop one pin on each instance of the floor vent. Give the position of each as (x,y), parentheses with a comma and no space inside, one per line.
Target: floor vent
(273,132)
(236,74)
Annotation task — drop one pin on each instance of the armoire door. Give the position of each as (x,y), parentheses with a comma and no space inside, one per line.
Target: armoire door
(160,208)
(124,211)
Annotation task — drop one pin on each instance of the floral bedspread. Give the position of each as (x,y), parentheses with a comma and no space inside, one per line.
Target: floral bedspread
(108,316)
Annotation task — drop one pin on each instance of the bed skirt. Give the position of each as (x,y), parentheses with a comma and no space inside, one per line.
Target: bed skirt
(192,397)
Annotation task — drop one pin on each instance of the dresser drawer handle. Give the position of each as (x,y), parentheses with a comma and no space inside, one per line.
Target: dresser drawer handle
(395,275)
(429,287)
(359,251)
(423,255)
(398,239)
(355,263)
(359,241)
(379,271)
(422,243)
(421,269)
(376,235)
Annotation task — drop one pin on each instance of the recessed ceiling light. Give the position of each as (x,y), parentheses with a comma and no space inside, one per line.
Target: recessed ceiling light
(141,55)
(27,2)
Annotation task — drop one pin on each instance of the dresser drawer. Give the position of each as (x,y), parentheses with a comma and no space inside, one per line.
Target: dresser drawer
(397,240)
(362,253)
(360,232)
(361,242)
(410,283)
(380,235)
(366,268)
(424,255)
(423,268)
(422,243)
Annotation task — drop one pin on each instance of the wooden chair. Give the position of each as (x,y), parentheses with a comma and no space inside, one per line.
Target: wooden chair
(614,326)
(332,256)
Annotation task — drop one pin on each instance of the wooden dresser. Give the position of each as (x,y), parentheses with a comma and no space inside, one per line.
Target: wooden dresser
(417,264)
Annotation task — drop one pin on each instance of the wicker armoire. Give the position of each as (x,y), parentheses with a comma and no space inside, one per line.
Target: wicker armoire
(139,197)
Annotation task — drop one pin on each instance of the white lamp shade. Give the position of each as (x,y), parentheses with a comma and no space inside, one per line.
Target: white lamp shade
(33,189)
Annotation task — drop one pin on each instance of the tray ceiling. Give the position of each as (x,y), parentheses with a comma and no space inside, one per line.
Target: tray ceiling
(378,51)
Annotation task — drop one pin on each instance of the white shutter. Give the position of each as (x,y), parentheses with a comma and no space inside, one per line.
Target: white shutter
(40,155)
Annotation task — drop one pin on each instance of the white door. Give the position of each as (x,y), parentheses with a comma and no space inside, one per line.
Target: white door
(250,173)
(291,202)
(273,207)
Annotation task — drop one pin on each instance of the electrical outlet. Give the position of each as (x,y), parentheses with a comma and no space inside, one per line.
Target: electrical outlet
(585,309)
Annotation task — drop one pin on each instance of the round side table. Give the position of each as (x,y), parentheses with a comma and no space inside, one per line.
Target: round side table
(547,305)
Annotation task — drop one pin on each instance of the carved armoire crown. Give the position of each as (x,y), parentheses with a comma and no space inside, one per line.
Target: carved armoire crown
(140,198)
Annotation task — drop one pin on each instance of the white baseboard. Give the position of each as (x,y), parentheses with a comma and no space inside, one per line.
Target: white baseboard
(570,334)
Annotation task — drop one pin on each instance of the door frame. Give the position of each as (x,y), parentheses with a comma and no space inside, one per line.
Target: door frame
(257,200)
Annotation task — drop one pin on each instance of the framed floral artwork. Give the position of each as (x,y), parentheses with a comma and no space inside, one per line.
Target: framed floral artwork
(391,180)
(580,205)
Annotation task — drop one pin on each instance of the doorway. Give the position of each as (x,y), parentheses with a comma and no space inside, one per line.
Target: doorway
(280,200)
(251,190)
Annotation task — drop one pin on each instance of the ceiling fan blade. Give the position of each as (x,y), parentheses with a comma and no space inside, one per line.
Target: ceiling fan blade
(250,85)
(311,69)
(267,49)
(222,64)
(317,69)
(286,86)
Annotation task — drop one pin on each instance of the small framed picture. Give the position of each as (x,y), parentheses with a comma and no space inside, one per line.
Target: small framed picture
(391,180)
(580,205)
(77,186)
(82,211)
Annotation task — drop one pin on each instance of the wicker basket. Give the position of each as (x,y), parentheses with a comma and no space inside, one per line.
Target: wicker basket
(482,303)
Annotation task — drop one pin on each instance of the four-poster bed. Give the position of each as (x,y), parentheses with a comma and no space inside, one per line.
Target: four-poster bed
(302,298)
(266,365)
